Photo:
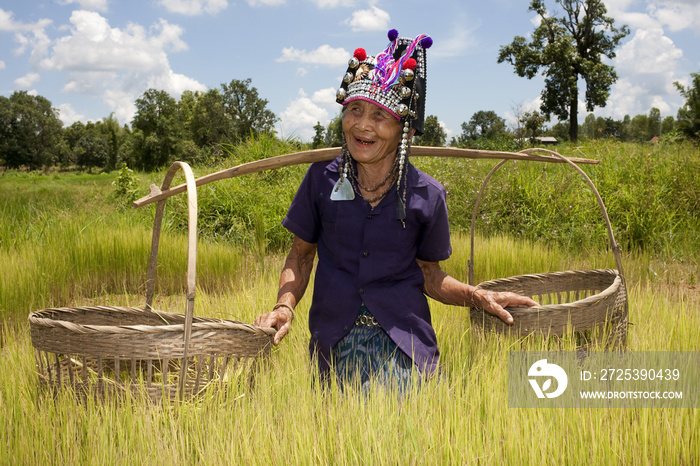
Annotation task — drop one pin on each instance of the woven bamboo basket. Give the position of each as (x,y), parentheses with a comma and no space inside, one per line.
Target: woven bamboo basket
(590,303)
(110,350)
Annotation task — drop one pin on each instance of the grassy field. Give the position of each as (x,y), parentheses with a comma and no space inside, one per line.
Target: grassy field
(63,243)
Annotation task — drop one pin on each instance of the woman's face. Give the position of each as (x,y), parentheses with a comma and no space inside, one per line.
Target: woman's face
(371,133)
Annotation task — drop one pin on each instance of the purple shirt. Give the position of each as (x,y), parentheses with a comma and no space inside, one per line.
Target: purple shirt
(366,256)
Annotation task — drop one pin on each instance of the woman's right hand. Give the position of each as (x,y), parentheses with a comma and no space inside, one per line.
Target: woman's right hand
(293,280)
(280,319)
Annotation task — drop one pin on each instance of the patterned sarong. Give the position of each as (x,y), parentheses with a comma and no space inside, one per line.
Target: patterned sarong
(368,353)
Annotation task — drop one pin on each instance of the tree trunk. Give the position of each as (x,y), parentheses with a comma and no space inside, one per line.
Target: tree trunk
(573,119)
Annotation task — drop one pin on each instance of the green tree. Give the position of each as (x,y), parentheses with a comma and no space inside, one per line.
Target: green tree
(560,131)
(587,128)
(483,124)
(71,136)
(187,151)
(638,130)
(245,111)
(92,148)
(209,125)
(592,127)
(127,152)
(434,135)
(688,119)
(654,125)
(334,132)
(110,129)
(612,128)
(156,129)
(319,136)
(30,131)
(625,128)
(668,125)
(186,110)
(568,48)
(533,123)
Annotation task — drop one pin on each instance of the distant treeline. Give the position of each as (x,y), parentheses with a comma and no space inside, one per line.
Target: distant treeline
(194,129)
(201,127)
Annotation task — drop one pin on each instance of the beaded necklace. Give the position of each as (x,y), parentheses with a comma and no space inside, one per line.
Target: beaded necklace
(388,180)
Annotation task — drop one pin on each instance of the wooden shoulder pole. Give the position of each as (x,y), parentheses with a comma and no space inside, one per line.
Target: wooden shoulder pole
(321,155)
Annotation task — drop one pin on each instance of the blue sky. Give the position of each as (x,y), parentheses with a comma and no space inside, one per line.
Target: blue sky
(94,57)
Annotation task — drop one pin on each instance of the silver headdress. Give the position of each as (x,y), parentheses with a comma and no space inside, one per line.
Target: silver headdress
(395,80)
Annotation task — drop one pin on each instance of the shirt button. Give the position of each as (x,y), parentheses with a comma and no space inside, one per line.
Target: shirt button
(346,328)
(362,291)
(369,217)
(365,254)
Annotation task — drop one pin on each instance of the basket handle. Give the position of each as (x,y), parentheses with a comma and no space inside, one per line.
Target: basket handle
(613,244)
(191,254)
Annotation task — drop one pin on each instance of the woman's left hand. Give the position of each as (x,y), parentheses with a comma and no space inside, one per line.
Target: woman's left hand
(448,290)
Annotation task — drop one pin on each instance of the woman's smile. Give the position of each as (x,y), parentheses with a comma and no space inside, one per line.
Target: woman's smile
(372,135)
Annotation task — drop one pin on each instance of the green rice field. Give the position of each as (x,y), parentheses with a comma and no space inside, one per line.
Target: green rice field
(63,242)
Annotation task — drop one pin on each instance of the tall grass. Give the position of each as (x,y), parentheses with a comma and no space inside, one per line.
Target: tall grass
(651,193)
(461,418)
(63,243)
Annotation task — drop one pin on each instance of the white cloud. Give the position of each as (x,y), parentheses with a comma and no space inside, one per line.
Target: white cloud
(27,80)
(2,65)
(174,83)
(96,5)
(119,64)
(302,114)
(333,3)
(677,14)
(461,39)
(123,103)
(94,46)
(647,66)
(620,11)
(374,19)
(8,24)
(194,7)
(649,52)
(68,115)
(325,96)
(324,55)
(254,3)
(26,35)
(448,132)
(89,82)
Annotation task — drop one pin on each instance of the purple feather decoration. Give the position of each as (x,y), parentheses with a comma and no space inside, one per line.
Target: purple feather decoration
(388,69)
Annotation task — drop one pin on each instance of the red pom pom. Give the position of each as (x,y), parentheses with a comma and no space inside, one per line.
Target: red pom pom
(410,64)
(360,54)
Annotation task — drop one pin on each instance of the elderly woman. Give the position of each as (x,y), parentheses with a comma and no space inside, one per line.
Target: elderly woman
(380,229)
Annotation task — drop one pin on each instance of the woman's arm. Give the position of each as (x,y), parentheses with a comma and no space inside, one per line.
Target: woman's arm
(293,282)
(446,289)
